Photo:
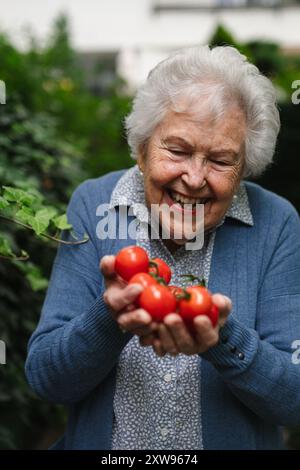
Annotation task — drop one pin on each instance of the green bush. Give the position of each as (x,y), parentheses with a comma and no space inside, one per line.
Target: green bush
(283,176)
(49,79)
(31,158)
(267,56)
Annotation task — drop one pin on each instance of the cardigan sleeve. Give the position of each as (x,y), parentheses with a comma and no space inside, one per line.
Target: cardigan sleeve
(77,342)
(261,366)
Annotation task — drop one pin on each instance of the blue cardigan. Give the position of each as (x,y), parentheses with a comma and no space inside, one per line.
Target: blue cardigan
(250,384)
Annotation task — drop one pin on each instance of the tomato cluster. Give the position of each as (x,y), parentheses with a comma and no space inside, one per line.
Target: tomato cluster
(158,298)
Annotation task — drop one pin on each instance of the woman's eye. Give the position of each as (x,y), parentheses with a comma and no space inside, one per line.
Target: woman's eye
(179,153)
(220,162)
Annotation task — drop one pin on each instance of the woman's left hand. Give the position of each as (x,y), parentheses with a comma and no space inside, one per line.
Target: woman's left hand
(174,337)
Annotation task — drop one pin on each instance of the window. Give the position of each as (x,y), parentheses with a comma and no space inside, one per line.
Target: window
(159,6)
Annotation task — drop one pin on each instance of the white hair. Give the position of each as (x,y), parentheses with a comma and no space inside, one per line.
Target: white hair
(220,75)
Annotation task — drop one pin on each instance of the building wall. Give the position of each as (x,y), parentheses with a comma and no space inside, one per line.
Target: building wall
(142,32)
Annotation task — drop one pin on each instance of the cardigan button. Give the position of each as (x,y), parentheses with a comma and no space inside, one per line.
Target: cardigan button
(241,356)
(233,349)
(168,377)
(164,432)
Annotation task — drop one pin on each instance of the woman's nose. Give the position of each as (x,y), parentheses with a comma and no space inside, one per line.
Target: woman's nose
(194,173)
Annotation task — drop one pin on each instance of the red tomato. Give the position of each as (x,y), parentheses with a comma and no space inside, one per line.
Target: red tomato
(145,280)
(214,315)
(130,261)
(199,303)
(176,291)
(162,270)
(158,301)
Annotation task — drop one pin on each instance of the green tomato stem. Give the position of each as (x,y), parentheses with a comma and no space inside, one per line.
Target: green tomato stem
(192,278)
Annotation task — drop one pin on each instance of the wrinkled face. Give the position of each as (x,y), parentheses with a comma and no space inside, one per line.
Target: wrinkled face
(189,161)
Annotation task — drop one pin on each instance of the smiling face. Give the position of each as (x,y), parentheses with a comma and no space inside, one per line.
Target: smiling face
(191,161)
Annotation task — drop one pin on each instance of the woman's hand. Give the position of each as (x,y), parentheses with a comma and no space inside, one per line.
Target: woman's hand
(175,338)
(120,297)
(171,336)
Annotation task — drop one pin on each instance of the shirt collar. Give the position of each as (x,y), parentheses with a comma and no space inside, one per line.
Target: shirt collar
(129,191)
(240,207)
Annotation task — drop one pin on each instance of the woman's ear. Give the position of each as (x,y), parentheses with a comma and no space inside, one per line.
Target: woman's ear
(141,159)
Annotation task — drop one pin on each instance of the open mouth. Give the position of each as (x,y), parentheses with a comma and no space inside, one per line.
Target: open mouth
(182,200)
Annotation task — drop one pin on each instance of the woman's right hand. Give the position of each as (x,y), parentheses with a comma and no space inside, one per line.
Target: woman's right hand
(120,297)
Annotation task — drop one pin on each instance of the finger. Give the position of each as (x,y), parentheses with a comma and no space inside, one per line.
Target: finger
(206,335)
(224,305)
(129,308)
(167,340)
(118,299)
(144,330)
(135,319)
(183,339)
(158,349)
(107,266)
(147,340)
(173,354)
(222,302)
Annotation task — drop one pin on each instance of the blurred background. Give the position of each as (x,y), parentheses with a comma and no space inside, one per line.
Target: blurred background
(70,69)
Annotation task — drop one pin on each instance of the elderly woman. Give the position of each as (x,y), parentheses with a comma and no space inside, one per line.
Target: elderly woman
(204,120)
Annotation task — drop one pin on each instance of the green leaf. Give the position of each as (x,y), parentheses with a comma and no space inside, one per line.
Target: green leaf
(5,249)
(36,282)
(25,215)
(61,222)
(18,195)
(3,203)
(34,276)
(50,212)
(41,221)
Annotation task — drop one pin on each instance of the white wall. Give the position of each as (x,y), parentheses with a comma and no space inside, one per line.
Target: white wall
(141,37)
(112,24)
(96,24)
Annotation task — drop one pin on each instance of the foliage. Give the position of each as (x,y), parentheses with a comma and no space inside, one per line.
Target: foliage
(283,176)
(26,209)
(38,172)
(267,56)
(29,149)
(222,37)
(49,78)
